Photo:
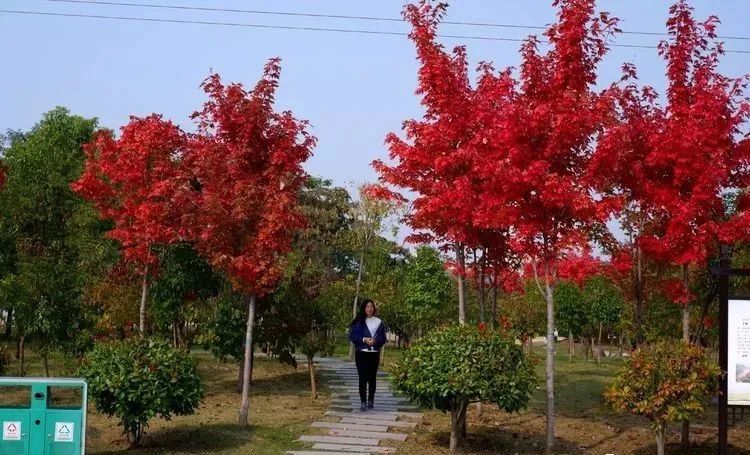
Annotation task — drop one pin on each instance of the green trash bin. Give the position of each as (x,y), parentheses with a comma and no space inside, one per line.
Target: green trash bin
(43,416)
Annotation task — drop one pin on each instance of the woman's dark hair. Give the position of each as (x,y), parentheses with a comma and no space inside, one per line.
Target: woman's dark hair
(361,315)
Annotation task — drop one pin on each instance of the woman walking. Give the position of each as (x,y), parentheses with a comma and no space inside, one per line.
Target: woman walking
(367,332)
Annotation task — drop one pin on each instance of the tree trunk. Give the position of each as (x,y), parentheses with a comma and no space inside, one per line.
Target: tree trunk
(245,406)
(9,323)
(45,362)
(571,345)
(460,262)
(599,346)
(493,298)
(144,293)
(356,295)
(481,287)
(240,372)
(639,295)
(550,427)
(313,385)
(458,424)
(620,341)
(660,436)
(685,439)
(22,353)
(531,346)
(382,355)
(480,408)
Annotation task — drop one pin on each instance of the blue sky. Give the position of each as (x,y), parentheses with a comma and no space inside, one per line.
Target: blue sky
(353,88)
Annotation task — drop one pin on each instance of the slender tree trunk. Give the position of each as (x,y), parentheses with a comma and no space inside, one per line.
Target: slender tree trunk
(599,346)
(22,355)
(356,295)
(660,436)
(482,294)
(313,385)
(45,363)
(458,424)
(620,341)
(550,427)
(9,323)
(493,298)
(245,406)
(531,346)
(685,439)
(571,345)
(382,355)
(240,374)
(144,293)
(639,295)
(461,263)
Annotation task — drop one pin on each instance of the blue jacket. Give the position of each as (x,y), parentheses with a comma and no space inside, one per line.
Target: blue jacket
(359,330)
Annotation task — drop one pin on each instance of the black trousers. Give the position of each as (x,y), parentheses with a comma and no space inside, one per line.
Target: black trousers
(367,369)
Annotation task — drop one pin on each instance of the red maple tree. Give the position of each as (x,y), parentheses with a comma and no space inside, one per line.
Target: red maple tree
(672,165)
(544,145)
(246,170)
(132,181)
(436,161)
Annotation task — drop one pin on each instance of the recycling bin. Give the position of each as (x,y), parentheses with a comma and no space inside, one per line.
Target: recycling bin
(43,416)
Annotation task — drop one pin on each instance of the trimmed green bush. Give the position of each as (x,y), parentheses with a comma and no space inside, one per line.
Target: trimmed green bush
(138,379)
(452,367)
(665,382)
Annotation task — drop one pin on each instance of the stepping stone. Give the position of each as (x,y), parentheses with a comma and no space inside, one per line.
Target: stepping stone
(368,434)
(390,416)
(340,440)
(382,407)
(391,424)
(350,426)
(349,449)
(315,452)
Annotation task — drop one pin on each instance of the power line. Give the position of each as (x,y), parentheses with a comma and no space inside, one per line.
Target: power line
(342,16)
(294,27)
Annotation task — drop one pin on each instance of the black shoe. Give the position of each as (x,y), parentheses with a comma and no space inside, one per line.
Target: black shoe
(370,404)
(363,407)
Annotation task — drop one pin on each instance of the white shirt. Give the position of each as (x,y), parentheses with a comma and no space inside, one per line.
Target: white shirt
(373,323)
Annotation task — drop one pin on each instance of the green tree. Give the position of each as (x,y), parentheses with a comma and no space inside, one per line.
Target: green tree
(606,304)
(181,291)
(572,312)
(427,288)
(525,313)
(450,368)
(58,248)
(369,220)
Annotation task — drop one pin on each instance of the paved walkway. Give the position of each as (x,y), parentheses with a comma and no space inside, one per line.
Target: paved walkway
(351,431)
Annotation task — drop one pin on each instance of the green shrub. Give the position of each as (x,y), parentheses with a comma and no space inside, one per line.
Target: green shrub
(139,379)
(452,367)
(665,382)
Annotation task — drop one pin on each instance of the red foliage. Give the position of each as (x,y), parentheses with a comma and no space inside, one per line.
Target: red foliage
(543,140)
(578,267)
(435,162)
(132,180)
(675,290)
(671,164)
(246,164)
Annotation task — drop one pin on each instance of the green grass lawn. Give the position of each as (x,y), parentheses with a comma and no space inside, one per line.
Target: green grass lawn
(281,410)
(585,424)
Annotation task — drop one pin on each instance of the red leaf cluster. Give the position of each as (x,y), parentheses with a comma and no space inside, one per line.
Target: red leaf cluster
(133,181)
(245,167)
(230,188)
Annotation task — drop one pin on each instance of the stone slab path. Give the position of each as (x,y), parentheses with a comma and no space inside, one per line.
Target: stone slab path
(350,431)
